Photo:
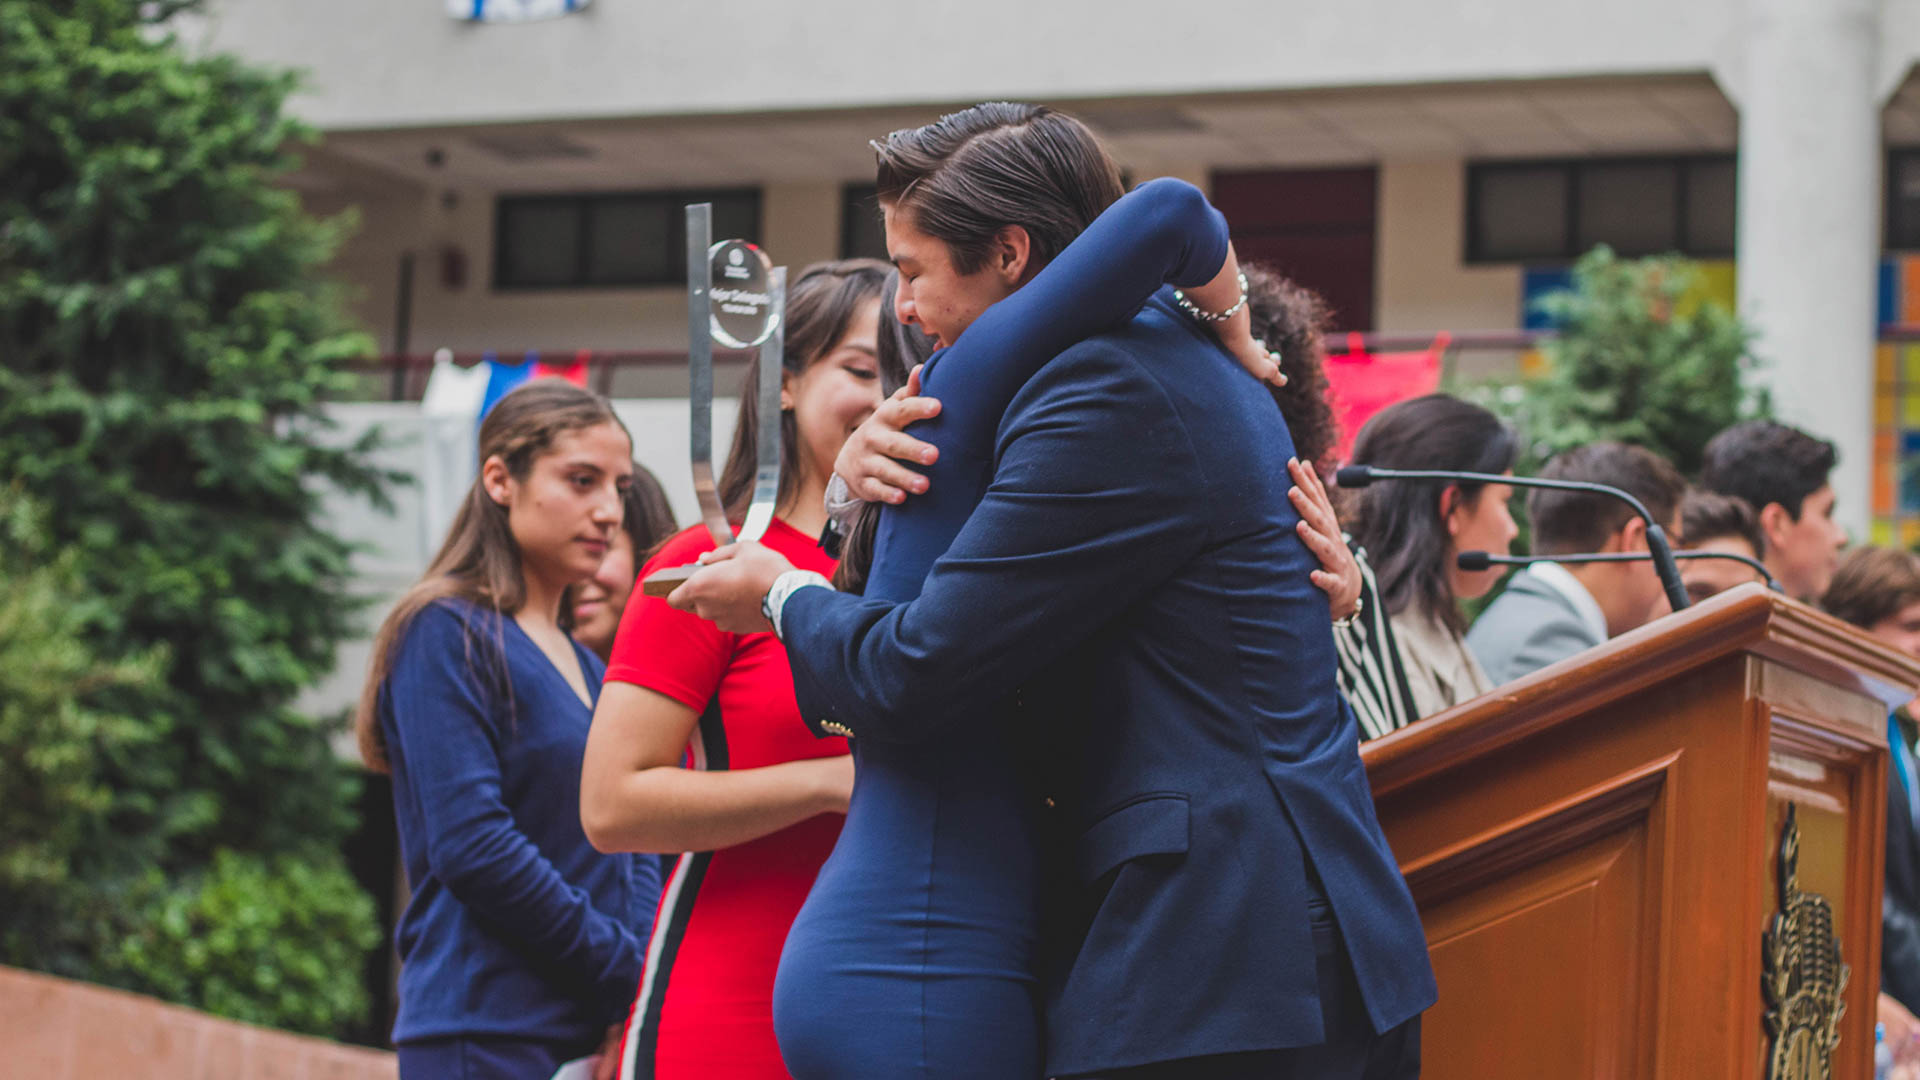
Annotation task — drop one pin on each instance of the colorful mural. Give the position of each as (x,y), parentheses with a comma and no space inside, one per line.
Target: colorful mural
(1896,409)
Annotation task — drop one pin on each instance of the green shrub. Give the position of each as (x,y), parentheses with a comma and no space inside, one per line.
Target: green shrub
(260,939)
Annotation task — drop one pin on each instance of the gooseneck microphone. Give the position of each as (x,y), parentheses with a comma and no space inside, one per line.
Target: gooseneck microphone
(1359,476)
(1482,560)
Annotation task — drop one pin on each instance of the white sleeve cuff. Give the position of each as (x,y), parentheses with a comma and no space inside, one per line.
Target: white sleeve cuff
(785,586)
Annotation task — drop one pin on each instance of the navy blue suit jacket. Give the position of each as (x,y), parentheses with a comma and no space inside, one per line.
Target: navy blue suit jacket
(1131,593)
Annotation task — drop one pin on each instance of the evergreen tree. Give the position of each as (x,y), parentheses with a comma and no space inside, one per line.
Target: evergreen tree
(166,343)
(55,799)
(1634,362)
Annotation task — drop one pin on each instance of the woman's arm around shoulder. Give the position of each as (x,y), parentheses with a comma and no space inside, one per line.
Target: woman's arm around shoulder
(1162,232)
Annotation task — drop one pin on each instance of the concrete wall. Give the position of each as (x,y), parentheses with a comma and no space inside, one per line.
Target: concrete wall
(801,224)
(56,1029)
(381,64)
(386,223)
(1421,281)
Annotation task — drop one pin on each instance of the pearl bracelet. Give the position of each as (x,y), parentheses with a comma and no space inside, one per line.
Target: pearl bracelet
(774,603)
(1197,312)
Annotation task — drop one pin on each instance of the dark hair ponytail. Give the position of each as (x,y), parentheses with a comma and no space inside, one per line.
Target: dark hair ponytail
(1293,319)
(646,515)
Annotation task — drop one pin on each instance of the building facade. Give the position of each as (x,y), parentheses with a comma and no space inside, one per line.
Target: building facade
(1429,167)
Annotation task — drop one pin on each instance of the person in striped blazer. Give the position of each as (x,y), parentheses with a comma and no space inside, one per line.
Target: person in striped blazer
(1411,656)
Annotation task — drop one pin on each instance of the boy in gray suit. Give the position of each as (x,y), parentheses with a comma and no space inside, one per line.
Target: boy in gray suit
(1551,611)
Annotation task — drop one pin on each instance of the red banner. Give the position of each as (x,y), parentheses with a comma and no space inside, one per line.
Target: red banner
(1363,383)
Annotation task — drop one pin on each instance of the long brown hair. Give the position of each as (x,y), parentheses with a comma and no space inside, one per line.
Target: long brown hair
(479,562)
(1400,523)
(900,348)
(821,304)
(646,516)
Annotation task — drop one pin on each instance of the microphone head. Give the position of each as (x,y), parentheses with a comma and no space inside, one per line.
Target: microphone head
(1474,560)
(1353,476)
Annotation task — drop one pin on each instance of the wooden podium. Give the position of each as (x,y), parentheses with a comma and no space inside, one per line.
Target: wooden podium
(1596,850)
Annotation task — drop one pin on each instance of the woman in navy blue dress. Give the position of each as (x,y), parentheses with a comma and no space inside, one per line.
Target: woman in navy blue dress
(520,944)
(915,953)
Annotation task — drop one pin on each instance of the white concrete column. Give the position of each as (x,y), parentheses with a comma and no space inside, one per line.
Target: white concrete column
(1809,213)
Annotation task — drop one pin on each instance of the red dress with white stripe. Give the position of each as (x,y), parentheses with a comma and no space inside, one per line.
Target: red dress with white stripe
(705,1005)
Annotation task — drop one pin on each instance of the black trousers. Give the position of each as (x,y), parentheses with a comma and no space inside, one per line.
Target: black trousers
(1352,1050)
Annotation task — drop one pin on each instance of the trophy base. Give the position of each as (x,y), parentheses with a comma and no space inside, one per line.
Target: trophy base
(661,582)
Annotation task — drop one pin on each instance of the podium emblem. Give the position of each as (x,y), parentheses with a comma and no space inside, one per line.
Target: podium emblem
(1802,975)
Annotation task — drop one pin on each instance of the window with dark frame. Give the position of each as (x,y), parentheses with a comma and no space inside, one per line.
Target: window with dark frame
(1903,199)
(608,240)
(861,234)
(1547,211)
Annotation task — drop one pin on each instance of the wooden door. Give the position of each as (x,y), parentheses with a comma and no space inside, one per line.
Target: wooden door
(1316,226)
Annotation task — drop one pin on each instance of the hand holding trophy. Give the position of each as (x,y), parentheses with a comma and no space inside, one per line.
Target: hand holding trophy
(736,297)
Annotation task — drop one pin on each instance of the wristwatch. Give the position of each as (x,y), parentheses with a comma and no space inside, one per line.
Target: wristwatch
(772,604)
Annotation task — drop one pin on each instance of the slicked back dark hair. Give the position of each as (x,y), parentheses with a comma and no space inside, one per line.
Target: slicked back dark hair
(967,175)
(1709,515)
(1399,522)
(1567,521)
(1765,462)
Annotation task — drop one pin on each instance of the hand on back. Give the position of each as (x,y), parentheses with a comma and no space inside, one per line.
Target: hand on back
(1319,528)
(1236,336)
(871,460)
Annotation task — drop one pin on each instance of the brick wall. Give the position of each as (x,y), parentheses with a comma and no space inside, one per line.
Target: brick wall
(57,1029)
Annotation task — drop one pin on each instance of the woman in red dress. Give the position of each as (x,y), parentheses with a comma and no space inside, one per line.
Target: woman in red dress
(697,745)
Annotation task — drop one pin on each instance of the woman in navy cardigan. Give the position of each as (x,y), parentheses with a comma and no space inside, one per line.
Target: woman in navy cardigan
(520,943)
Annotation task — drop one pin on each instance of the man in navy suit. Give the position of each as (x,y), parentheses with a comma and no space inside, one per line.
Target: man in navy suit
(1226,904)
